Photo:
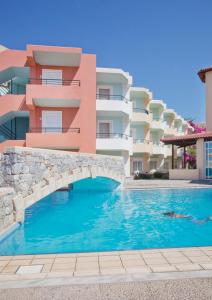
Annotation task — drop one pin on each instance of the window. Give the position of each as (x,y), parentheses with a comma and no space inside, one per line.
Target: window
(153,165)
(104,129)
(104,94)
(137,166)
(208,160)
(51,121)
(166,165)
(50,76)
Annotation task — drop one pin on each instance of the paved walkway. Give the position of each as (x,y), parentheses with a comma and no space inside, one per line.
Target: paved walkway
(189,289)
(105,263)
(156,183)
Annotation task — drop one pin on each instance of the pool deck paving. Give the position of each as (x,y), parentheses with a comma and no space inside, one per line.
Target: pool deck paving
(102,264)
(166,184)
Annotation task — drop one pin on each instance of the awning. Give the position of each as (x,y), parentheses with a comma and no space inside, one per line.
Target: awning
(187,140)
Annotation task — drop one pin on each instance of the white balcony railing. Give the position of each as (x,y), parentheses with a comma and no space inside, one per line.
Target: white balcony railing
(113,141)
(113,103)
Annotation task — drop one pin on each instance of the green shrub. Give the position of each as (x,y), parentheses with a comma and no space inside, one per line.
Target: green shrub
(143,176)
(161,175)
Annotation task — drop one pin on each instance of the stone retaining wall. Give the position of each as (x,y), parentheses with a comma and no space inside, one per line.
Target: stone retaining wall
(6,207)
(35,173)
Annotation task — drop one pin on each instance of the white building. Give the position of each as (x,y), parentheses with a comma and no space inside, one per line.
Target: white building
(130,123)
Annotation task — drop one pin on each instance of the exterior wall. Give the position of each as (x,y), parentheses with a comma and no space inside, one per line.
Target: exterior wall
(165,122)
(200,154)
(208,87)
(74,117)
(117,123)
(186,174)
(116,88)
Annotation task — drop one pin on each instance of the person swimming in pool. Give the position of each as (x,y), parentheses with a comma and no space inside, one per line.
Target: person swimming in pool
(172,214)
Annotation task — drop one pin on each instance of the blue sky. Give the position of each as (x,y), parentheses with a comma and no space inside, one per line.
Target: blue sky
(162,43)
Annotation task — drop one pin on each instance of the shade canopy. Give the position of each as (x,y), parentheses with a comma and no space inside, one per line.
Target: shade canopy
(187,140)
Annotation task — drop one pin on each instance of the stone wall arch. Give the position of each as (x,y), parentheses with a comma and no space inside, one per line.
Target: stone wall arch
(35,173)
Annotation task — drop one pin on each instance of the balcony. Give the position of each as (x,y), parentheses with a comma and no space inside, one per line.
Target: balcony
(157,124)
(169,130)
(142,146)
(54,138)
(158,149)
(53,93)
(54,56)
(113,141)
(167,150)
(113,104)
(142,116)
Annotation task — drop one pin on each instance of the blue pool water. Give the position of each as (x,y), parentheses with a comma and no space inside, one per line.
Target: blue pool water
(89,218)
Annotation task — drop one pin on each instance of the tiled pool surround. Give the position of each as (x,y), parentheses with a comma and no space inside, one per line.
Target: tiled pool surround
(106,263)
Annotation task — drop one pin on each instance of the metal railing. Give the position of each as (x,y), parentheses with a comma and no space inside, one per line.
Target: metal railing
(53,130)
(4,89)
(141,110)
(111,97)
(112,136)
(7,132)
(154,118)
(141,141)
(54,81)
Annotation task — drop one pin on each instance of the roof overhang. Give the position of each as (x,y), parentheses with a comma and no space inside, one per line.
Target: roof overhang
(158,103)
(139,92)
(170,112)
(54,56)
(202,73)
(187,140)
(110,75)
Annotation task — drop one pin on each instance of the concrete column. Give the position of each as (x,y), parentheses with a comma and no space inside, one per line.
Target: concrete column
(200,157)
(126,156)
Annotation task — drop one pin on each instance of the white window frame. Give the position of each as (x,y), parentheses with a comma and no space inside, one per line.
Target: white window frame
(105,121)
(55,81)
(109,87)
(137,160)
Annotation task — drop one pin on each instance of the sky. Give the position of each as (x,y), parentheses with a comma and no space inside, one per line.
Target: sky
(162,43)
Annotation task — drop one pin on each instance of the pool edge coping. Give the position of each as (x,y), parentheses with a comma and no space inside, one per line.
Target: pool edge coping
(88,280)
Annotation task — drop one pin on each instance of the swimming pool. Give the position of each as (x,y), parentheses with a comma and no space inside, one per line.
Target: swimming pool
(83,220)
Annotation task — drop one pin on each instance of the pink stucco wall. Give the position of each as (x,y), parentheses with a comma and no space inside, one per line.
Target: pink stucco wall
(83,117)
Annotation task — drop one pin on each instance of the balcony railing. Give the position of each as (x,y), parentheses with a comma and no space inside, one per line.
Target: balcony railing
(141,141)
(112,136)
(141,110)
(53,130)
(11,87)
(111,97)
(4,89)
(54,81)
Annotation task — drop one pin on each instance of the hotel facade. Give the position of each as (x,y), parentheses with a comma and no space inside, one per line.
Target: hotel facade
(56,98)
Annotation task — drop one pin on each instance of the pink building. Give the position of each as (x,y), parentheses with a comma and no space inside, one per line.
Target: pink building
(47,96)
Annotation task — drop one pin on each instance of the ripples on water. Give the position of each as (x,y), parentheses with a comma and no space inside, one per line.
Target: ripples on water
(91,217)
